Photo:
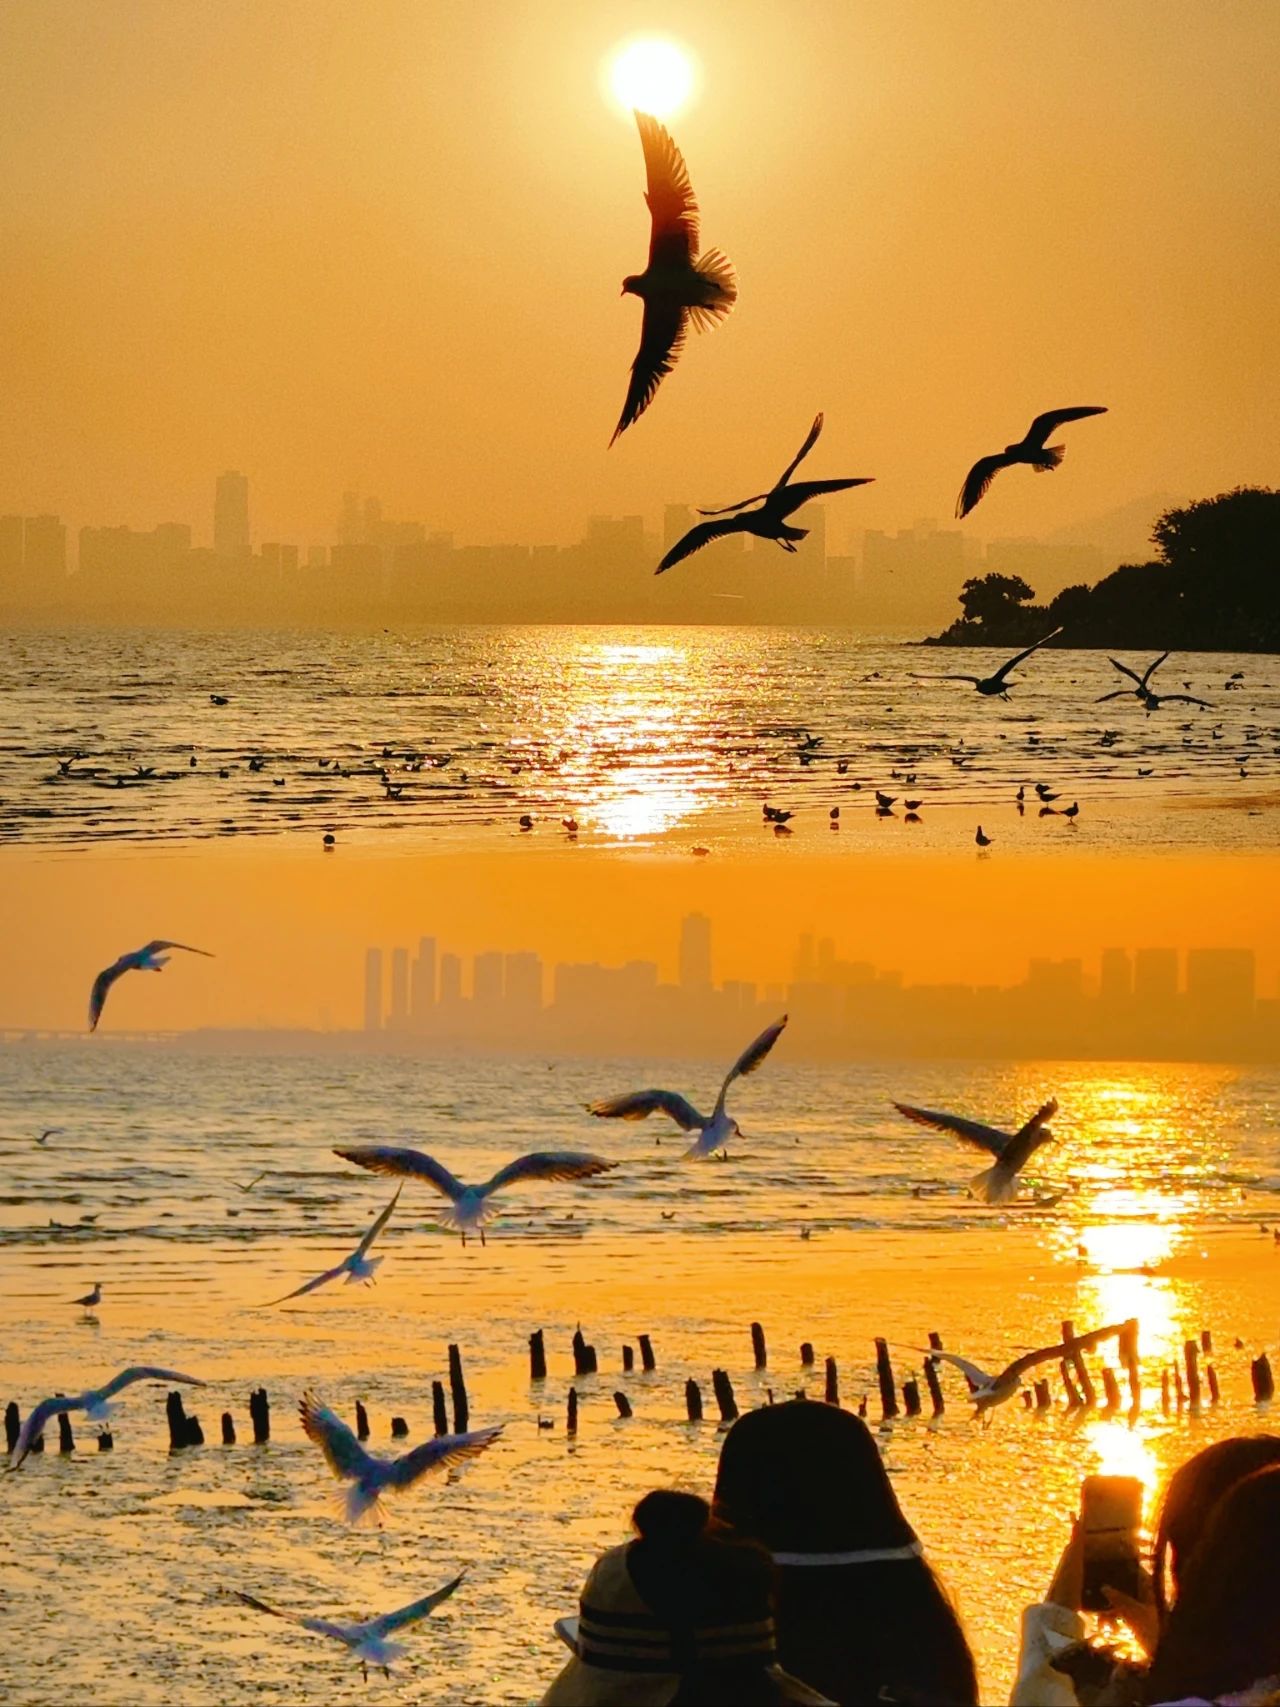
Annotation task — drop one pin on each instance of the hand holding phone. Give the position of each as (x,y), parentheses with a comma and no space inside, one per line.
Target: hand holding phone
(1110,1522)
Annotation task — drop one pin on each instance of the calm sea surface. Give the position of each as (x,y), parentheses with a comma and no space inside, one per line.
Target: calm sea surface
(634,733)
(115,1586)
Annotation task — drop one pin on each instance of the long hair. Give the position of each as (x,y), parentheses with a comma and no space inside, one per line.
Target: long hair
(691,1572)
(806,1478)
(1223,1633)
(1189,1500)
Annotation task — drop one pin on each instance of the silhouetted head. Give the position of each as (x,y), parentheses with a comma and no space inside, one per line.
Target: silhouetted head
(1193,1493)
(859,1610)
(631,284)
(1223,1633)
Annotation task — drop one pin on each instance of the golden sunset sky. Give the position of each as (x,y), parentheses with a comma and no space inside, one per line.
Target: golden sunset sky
(379,245)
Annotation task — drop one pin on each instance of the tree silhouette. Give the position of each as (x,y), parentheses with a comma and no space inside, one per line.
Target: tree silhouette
(994,599)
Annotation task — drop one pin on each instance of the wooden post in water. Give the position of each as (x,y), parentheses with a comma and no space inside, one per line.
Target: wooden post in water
(1211,1376)
(884,1374)
(723,1389)
(66,1441)
(228,1429)
(571,1417)
(806,1355)
(623,1403)
(1128,1347)
(1191,1351)
(1110,1388)
(758,1349)
(1179,1390)
(935,1341)
(260,1416)
(1264,1386)
(911,1397)
(1072,1391)
(399,1428)
(177,1419)
(646,1354)
(537,1356)
(934,1385)
(1206,1342)
(1043,1398)
(106,1440)
(1028,1398)
(195,1434)
(832,1394)
(579,1351)
(362,1422)
(458,1392)
(439,1411)
(1076,1358)
(1164,1391)
(628,1359)
(13,1425)
(693,1400)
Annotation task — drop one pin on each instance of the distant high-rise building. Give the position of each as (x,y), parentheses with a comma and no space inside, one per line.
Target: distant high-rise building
(231,516)
(1222,981)
(522,983)
(373,989)
(677,519)
(450,980)
(422,984)
(695,952)
(399,1018)
(486,979)
(11,537)
(1115,980)
(44,557)
(1155,975)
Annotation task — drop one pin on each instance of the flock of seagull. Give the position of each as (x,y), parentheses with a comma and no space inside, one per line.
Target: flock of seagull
(681,288)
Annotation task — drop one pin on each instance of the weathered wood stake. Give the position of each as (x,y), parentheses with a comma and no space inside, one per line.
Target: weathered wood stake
(1191,1352)
(177,1419)
(646,1354)
(362,1422)
(723,1388)
(1043,1399)
(806,1355)
(458,1392)
(106,1440)
(260,1415)
(439,1411)
(12,1426)
(623,1403)
(581,1362)
(911,1396)
(1264,1386)
(1178,1389)
(1111,1388)
(228,1429)
(758,1348)
(628,1359)
(1164,1391)
(1206,1342)
(537,1356)
(693,1400)
(934,1385)
(884,1374)
(66,1440)
(832,1394)
(1211,1376)
(571,1418)
(399,1428)
(1076,1358)
(1128,1346)
(1073,1392)
(195,1434)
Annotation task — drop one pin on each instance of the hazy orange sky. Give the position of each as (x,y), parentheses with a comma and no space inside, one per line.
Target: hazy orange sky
(379,245)
(289,926)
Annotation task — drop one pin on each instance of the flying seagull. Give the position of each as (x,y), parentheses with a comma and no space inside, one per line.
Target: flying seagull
(713,1130)
(50,1132)
(470,1206)
(988,1391)
(999,682)
(1012,1150)
(368,1639)
(95,1404)
(371,1477)
(1034,449)
(769,521)
(1143,689)
(149,959)
(678,285)
(358,1266)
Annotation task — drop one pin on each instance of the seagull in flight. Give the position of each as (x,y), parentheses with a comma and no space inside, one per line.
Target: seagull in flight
(358,1266)
(769,521)
(50,1132)
(152,958)
(470,1206)
(1034,449)
(989,686)
(367,1639)
(370,1476)
(1012,1150)
(988,1391)
(713,1130)
(95,1404)
(678,285)
(1143,690)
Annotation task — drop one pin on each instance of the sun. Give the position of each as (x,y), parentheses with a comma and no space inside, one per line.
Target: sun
(651,73)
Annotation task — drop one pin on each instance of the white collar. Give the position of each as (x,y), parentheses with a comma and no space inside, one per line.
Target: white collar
(862,1556)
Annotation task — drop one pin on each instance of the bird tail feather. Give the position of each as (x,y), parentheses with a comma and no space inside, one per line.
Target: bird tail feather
(1049,458)
(716,272)
(994,1186)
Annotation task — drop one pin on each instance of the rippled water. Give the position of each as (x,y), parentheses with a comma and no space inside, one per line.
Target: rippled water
(631,732)
(119,1591)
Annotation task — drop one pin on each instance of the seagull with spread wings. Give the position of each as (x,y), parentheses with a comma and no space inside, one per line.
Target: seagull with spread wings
(678,285)
(990,686)
(368,1638)
(769,521)
(370,1476)
(358,1266)
(95,1403)
(1034,450)
(1144,692)
(152,958)
(988,1391)
(1012,1150)
(470,1206)
(713,1130)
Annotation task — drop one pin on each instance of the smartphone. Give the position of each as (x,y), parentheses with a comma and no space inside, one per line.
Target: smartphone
(1110,1519)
